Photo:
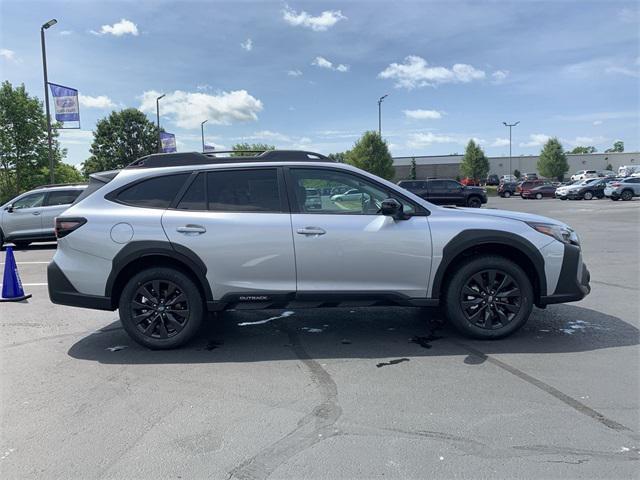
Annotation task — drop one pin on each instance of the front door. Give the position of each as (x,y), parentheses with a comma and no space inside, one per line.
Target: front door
(347,247)
(238,223)
(23,220)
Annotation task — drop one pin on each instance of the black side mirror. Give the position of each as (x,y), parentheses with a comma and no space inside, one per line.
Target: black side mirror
(9,208)
(392,208)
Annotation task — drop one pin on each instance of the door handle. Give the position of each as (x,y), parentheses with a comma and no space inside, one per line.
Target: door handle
(35,213)
(191,229)
(311,231)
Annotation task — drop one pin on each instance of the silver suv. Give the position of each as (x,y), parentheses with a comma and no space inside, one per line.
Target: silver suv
(173,235)
(30,217)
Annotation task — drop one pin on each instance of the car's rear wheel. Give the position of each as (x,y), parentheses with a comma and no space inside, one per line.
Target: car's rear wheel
(474,202)
(506,194)
(538,196)
(626,195)
(161,308)
(587,195)
(488,297)
(615,199)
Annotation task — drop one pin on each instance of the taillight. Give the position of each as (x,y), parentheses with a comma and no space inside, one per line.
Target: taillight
(616,184)
(64,226)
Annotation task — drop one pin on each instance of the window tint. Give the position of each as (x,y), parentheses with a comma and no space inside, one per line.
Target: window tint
(350,193)
(437,185)
(29,201)
(195,196)
(244,191)
(450,184)
(157,192)
(62,197)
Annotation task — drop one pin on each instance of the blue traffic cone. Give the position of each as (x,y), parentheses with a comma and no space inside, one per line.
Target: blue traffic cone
(11,285)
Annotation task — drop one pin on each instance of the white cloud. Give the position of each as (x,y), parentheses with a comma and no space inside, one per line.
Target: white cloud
(75,137)
(101,101)
(622,70)
(629,15)
(247,45)
(500,142)
(598,116)
(269,136)
(499,76)
(204,86)
(123,27)
(324,63)
(419,140)
(585,141)
(423,114)
(320,23)
(188,109)
(536,140)
(415,72)
(8,54)
(294,73)
(64,33)
(597,122)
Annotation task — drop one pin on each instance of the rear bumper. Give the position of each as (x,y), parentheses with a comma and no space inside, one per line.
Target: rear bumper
(62,292)
(573,283)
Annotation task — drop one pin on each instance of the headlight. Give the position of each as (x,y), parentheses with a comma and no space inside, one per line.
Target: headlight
(560,233)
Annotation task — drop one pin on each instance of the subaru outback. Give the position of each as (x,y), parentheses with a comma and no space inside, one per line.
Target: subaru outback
(172,236)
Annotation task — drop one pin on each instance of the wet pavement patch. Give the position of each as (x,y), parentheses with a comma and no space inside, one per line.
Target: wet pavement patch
(424,342)
(392,362)
(116,348)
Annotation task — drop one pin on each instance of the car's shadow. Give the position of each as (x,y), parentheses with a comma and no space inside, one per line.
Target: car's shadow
(385,333)
(32,246)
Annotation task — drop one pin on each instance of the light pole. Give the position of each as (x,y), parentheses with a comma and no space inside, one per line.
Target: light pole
(202,131)
(380,114)
(158,121)
(44,27)
(510,125)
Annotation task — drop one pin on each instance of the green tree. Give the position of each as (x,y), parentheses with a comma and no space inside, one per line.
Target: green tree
(249,146)
(609,167)
(618,146)
(412,170)
(474,163)
(24,147)
(553,162)
(584,150)
(119,139)
(338,157)
(371,153)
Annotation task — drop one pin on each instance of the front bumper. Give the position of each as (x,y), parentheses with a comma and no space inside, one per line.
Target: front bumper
(573,283)
(62,292)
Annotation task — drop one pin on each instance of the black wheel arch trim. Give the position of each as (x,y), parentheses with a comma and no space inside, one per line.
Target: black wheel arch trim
(146,248)
(476,238)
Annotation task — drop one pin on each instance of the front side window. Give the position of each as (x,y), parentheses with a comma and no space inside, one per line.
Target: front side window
(62,197)
(350,193)
(29,201)
(244,190)
(156,192)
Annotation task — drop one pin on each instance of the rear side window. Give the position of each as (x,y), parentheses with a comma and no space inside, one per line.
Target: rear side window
(157,192)
(62,197)
(195,197)
(243,191)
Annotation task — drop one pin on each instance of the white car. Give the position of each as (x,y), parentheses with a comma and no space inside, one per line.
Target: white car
(583,174)
(508,178)
(563,191)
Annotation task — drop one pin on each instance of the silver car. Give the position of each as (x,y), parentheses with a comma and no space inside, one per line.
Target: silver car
(624,188)
(30,217)
(174,235)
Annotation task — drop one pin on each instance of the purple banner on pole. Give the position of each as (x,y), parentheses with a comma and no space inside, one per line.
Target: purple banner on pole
(66,104)
(168,141)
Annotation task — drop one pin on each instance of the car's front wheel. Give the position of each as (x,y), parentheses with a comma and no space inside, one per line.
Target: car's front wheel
(538,196)
(161,308)
(506,194)
(474,202)
(488,297)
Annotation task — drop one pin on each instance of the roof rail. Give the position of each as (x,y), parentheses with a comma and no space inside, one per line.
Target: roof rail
(195,158)
(77,184)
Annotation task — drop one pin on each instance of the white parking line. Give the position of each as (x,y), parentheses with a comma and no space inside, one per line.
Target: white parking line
(32,284)
(27,263)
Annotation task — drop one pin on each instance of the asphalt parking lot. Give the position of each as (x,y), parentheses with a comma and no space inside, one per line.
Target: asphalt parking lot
(335,393)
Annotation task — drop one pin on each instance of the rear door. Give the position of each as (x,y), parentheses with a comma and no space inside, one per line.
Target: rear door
(437,191)
(56,202)
(24,219)
(238,222)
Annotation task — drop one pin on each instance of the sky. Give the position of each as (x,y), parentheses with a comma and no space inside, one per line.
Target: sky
(308,75)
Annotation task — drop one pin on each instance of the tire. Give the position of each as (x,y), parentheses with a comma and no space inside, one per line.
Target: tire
(615,199)
(626,195)
(538,196)
(563,198)
(506,194)
(21,245)
(164,330)
(475,275)
(474,202)
(587,196)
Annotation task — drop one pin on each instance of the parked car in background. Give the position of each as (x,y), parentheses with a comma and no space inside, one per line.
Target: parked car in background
(589,189)
(528,185)
(508,178)
(539,192)
(530,176)
(628,170)
(446,192)
(584,174)
(493,180)
(507,189)
(607,174)
(563,191)
(313,199)
(625,188)
(30,217)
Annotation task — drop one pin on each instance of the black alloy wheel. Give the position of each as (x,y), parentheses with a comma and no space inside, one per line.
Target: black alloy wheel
(474,202)
(627,195)
(159,309)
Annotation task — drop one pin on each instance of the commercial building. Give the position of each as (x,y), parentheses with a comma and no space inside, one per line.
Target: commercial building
(448,166)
